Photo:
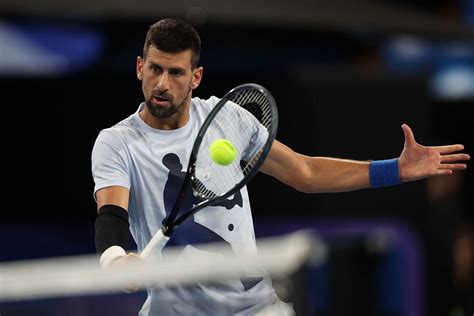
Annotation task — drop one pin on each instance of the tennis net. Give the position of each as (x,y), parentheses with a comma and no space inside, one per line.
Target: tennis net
(61,278)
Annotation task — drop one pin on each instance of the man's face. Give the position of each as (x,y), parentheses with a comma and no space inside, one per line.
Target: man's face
(167,82)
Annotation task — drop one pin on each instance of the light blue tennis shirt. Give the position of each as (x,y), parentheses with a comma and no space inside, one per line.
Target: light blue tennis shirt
(151,163)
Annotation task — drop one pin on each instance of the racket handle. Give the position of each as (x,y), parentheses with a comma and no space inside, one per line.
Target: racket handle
(155,245)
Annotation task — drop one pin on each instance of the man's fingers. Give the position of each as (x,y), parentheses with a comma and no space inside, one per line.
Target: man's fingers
(447,149)
(409,137)
(443,172)
(452,166)
(454,157)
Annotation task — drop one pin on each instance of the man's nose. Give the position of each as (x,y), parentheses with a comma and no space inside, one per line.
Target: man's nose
(163,82)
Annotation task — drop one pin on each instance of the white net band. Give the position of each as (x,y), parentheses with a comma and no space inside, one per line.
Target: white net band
(79,275)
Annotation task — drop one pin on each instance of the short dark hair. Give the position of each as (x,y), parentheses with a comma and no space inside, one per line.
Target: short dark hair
(173,35)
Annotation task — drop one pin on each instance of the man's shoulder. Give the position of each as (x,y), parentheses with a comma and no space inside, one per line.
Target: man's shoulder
(120,130)
(209,102)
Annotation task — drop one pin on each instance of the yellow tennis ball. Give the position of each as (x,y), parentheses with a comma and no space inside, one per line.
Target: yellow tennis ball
(222,152)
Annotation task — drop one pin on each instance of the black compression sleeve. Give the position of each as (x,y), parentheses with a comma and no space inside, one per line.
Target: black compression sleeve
(111,228)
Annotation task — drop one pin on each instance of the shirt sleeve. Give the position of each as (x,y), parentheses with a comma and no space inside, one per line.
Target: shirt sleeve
(256,133)
(109,162)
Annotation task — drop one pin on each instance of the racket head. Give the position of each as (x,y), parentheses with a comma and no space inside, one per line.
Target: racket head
(247,116)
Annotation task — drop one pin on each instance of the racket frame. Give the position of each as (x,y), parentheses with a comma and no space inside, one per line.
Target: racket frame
(173,221)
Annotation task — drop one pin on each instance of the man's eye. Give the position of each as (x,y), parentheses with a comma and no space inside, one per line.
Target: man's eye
(155,68)
(176,72)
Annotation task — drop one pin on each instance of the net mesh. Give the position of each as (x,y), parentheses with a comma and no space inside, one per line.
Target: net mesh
(33,282)
(245,120)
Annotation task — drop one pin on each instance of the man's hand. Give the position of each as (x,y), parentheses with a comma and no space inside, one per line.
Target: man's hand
(131,258)
(419,162)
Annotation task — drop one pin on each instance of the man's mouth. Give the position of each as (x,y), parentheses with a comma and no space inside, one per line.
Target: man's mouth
(160,100)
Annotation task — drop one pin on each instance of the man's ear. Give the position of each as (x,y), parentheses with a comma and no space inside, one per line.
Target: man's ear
(197,76)
(140,63)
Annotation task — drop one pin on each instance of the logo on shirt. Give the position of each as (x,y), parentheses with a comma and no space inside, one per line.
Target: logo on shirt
(190,232)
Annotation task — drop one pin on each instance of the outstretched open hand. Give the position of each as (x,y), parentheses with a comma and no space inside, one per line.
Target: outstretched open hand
(418,161)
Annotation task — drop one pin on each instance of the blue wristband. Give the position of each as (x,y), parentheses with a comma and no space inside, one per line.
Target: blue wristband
(384,173)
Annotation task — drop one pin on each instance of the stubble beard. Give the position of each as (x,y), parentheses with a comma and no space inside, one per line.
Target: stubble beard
(162,113)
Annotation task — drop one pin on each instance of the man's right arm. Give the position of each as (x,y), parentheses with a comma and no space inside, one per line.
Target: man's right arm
(115,195)
(111,225)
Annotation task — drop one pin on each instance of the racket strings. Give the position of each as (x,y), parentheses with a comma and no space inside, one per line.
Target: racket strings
(240,121)
(201,191)
(257,104)
(251,163)
(211,179)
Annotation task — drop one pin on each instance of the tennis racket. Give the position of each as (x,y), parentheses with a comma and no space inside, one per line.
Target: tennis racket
(247,116)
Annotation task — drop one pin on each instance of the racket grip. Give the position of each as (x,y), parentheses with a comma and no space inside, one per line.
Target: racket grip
(155,245)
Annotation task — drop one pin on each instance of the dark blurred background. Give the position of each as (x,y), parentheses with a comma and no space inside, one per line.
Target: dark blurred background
(345,75)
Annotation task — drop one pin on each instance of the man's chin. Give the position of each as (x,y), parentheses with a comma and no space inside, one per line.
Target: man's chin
(162,111)
(165,113)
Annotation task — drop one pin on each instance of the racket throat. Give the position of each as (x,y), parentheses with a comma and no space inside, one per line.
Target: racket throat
(167,230)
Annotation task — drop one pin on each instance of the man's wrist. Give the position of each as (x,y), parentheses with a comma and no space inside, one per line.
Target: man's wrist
(111,254)
(384,173)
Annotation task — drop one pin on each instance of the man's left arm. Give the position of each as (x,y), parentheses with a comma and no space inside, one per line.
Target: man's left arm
(324,174)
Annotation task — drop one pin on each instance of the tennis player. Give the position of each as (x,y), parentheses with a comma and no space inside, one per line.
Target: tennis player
(139,163)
